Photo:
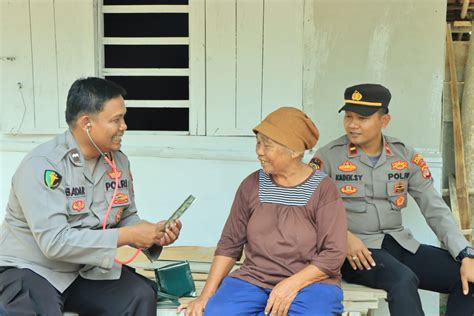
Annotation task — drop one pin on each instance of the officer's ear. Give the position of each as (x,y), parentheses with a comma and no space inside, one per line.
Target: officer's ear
(385,120)
(84,123)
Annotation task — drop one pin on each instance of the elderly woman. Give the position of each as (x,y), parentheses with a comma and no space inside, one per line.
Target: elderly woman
(291,222)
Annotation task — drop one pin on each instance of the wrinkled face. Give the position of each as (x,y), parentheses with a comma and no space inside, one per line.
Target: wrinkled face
(365,131)
(108,126)
(273,157)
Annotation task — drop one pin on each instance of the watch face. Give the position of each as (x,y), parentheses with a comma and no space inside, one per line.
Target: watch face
(469,252)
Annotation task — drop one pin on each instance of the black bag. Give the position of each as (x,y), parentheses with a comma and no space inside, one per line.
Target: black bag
(174,281)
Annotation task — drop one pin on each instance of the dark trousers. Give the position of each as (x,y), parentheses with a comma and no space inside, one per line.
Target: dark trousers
(401,274)
(23,292)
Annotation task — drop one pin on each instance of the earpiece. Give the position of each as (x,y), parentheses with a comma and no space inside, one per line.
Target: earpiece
(88,126)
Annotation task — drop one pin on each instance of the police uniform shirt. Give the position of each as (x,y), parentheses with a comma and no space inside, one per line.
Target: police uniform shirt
(375,195)
(53,221)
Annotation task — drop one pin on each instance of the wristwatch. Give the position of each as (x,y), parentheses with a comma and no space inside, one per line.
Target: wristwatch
(467,252)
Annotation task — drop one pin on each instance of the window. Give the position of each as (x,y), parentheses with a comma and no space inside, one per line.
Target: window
(213,67)
(145,49)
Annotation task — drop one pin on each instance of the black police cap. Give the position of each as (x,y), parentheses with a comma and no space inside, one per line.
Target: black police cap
(366,99)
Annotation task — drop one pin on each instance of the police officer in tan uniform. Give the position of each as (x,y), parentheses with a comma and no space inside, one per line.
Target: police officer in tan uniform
(374,173)
(71,206)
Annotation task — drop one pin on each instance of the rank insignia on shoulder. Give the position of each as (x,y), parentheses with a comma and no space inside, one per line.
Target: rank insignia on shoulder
(52,179)
(388,150)
(75,156)
(347,166)
(352,150)
(316,163)
(348,189)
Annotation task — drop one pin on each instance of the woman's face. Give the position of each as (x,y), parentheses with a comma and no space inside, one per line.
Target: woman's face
(273,157)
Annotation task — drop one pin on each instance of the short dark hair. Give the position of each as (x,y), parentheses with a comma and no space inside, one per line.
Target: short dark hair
(88,95)
(382,111)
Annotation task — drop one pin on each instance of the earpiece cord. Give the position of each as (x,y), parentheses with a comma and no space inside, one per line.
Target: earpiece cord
(104,223)
(109,209)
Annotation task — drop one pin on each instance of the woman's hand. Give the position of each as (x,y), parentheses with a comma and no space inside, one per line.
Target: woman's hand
(195,307)
(282,296)
(358,254)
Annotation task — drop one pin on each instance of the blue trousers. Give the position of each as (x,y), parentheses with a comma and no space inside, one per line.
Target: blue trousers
(238,297)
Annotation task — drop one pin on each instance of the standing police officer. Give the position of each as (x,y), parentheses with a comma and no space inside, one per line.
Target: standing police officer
(374,173)
(71,206)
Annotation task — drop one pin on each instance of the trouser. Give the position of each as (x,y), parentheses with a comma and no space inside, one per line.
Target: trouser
(401,273)
(23,292)
(238,297)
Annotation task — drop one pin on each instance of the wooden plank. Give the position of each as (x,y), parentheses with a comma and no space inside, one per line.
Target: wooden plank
(197,67)
(16,68)
(465,6)
(249,40)
(282,55)
(145,9)
(220,64)
(460,56)
(462,24)
(357,298)
(153,40)
(145,71)
(461,183)
(43,41)
(157,103)
(453,198)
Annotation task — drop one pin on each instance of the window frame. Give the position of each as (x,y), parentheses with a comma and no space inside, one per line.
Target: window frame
(195,70)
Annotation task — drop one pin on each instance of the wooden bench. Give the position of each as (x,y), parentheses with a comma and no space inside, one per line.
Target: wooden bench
(358,300)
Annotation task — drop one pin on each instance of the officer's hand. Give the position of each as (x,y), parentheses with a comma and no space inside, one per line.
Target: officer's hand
(358,255)
(171,232)
(141,235)
(194,308)
(467,274)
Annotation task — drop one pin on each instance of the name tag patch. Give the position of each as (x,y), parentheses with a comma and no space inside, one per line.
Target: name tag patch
(111,184)
(348,177)
(75,191)
(398,176)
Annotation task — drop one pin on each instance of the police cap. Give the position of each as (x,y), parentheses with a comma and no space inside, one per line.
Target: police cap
(366,99)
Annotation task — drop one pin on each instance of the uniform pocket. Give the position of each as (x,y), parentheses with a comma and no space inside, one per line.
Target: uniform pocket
(77,207)
(397,194)
(120,202)
(353,196)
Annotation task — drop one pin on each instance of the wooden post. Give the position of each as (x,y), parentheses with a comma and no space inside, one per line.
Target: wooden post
(460,171)
(467,114)
(465,6)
